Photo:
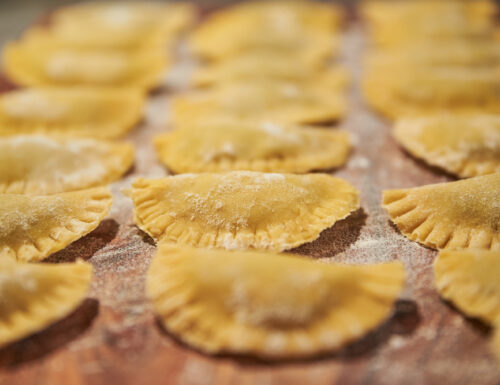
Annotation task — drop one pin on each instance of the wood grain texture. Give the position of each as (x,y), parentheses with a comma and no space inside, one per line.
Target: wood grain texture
(114,338)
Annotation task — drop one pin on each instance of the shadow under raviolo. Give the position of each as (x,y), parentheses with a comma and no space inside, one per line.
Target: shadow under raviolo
(335,239)
(50,339)
(84,248)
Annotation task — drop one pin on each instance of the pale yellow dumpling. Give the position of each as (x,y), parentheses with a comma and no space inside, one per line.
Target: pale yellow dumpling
(411,92)
(35,164)
(453,215)
(69,37)
(89,112)
(31,62)
(403,23)
(293,27)
(403,33)
(391,12)
(463,145)
(265,304)
(468,53)
(312,47)
(268,67)
(237,145)
(120,25)
(278,15)
(34,227)
(241,209)
(469,279)
(276,102)
(34,296)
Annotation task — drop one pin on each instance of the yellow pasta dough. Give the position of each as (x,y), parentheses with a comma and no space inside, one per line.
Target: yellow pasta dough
(33,164)
(465,146)
(266,67)
(265,304)
(458,52)
(120,25)
(390,12)
(442,29)
(36,295)
(33,227)
(35,62)
(241,209)
(254,66)
(258,147)
(69,36)
(274,101)
(469,279)
(454,215)
(299,28)
(312,47)
(405,22)
(402,91)
(278,15)
(88,112)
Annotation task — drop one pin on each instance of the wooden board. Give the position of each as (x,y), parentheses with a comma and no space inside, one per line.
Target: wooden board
(114,338)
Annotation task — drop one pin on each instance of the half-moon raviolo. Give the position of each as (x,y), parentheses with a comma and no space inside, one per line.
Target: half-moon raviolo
(266,304)
(34,164)
(268,67)
(43,63)
(278,102)
(36,295)
(89,112)
(288,28)
(463,145)
(402,24)
(241,209)
(258,147)
(33,227)
(120,25)
(454,215)
(469,279)
(456,52)
(413,92)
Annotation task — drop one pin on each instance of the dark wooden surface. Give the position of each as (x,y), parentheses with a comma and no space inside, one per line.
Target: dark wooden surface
(114,338)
